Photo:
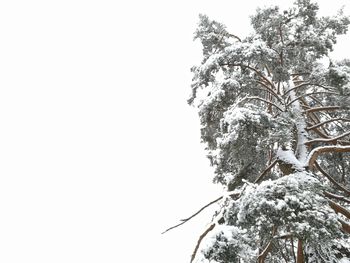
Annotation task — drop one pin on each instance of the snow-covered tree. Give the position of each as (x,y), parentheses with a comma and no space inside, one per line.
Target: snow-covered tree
(275,120)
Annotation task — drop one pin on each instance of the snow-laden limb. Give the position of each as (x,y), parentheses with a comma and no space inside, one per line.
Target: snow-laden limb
(301,150)
(288,157)
(324,149)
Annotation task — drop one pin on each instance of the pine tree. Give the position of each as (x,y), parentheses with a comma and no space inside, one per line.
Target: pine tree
(275,120)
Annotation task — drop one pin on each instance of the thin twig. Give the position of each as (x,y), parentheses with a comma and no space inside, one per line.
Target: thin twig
(189,218)
(210,228)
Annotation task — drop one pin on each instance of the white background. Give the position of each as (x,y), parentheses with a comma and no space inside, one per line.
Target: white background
(99,151)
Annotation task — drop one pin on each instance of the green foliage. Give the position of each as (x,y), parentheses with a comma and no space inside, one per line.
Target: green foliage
(256,97)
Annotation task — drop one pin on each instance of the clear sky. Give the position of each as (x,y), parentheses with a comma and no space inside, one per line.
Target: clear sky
(99,151)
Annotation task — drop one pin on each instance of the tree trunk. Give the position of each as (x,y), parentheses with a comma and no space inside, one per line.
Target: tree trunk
(300,254)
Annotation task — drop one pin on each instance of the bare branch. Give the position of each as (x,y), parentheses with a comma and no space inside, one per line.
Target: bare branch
(327,121)
(327,108)
(270,90)
(261,99)
(267,249)
(330,140)
(330,178)
(268,168)
(345,226)
(234,36)
(310,94)
(338,197)
(210,228)
(192,216)
(339,209)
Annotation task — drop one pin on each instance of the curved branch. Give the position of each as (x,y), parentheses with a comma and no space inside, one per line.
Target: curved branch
(325,122)
(270,90)
(310,94)
(330,140)
(325,149)
(261,99)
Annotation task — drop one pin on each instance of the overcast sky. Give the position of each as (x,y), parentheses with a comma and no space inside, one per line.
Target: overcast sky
(99,151)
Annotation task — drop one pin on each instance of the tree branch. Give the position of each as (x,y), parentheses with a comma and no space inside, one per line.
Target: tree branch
(327,121)
(310,94)
(339,209)
(268,168)
(210,228)
(325,149)
(192,216)
(330,178)
(330,140)
(338,197)
(262,256)
(345,226)
(327,108)
(261,99)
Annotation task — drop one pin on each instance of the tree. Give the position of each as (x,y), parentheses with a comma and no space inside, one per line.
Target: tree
(275,119)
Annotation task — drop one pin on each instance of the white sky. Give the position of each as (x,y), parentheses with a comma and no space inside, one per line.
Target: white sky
(99,151)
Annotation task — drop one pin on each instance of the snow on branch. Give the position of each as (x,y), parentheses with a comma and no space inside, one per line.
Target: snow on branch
(324,149)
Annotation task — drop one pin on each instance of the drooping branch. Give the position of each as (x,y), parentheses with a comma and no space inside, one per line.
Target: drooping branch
(305,84)
(325,149)
(261,99)
(210,228)
(270,90)
(330,178)
(310,94)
